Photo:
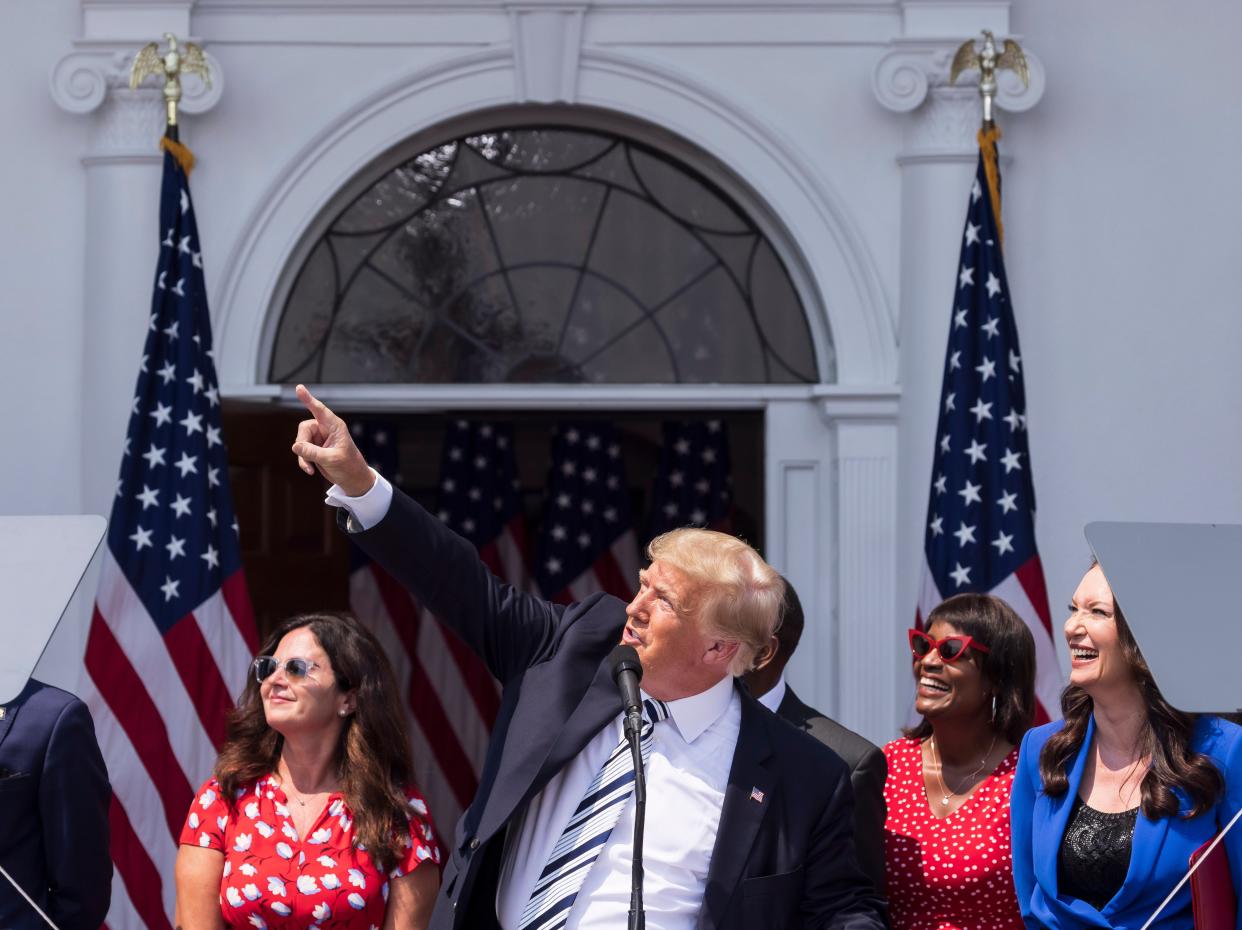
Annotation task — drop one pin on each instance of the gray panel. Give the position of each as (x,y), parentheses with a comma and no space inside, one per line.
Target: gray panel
(42,560)
(1177,584)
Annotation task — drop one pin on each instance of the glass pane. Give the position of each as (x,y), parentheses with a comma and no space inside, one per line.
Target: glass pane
(543,254)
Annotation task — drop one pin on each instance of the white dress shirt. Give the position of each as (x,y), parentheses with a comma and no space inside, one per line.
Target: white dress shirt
(687,773)
(772,699)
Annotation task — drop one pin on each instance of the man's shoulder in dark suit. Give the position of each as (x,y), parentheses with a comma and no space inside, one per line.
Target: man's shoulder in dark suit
(868,770)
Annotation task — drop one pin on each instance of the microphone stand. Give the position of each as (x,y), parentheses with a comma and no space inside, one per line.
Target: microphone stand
(633,732)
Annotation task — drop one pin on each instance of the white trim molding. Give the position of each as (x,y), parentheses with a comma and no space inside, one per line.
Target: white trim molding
(547,46)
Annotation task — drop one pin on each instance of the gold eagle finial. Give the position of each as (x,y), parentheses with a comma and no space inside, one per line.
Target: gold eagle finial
(985,59)
(187,59)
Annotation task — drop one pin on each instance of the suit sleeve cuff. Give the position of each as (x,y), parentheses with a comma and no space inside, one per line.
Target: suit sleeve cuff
(366,510)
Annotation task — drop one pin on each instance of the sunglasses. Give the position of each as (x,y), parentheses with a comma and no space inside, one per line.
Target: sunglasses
(951,648)
(295,669)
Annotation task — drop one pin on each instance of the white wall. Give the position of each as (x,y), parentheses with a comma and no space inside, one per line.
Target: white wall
(1121,204)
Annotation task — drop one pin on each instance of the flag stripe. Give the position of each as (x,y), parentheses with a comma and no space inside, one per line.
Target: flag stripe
(194,662)
(223,636)
(123,690)
(423,699)
(142,879)
(237,597)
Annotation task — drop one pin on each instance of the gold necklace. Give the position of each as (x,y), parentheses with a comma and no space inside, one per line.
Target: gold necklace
(947,795)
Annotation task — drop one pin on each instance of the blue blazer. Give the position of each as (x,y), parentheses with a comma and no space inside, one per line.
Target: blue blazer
(1160,854)
(54,798)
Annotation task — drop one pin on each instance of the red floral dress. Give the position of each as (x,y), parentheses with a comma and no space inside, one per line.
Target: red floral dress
(951,873)
(275,879)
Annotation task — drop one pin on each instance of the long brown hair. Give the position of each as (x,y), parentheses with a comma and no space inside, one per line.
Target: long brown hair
(373,757)
(1008,668)
(1165,737)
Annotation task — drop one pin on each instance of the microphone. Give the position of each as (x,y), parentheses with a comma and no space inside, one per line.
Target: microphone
(627,671)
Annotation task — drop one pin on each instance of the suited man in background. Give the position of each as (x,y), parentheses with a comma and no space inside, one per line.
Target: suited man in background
(737,837)
(54,798)
(865,760)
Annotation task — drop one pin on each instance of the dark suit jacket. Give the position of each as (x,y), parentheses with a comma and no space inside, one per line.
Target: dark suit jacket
(54,798)
(867,773)
(786,860)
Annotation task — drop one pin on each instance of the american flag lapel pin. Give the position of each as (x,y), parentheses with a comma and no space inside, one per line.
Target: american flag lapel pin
(756,795)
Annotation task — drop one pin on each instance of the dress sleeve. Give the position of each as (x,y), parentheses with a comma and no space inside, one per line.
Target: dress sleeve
(208,816)
(421,845)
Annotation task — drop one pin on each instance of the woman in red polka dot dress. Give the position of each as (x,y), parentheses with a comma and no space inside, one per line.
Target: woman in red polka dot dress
(946,839)
(311,818)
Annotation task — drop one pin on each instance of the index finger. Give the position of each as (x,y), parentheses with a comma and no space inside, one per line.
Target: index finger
(318,409)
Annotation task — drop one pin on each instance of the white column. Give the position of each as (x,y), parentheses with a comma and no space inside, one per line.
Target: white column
(121,216)
(937,159)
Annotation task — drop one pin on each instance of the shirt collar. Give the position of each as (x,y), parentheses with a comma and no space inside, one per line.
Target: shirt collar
(696,713)
(772,699)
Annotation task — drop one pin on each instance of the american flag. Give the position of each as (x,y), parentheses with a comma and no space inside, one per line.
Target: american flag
(451,697)
(586,541)
(694,484)
(172,632)
(980,533)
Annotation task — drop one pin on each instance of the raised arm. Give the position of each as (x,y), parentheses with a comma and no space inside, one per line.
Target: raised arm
(508,628)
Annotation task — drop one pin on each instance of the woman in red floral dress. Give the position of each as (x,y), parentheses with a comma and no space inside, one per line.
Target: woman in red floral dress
(311,817)
(946,838)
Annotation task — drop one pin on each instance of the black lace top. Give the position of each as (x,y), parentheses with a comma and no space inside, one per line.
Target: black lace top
(1095,853)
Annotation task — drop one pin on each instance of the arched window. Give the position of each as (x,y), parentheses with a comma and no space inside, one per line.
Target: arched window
(543,255)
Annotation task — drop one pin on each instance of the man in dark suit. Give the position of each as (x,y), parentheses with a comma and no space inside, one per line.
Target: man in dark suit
(54,798)
(745,839)
(865,760)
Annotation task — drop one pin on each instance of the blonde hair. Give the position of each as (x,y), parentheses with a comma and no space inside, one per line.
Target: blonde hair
(737,596)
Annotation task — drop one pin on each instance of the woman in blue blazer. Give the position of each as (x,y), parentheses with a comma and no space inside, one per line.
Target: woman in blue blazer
(1109,803)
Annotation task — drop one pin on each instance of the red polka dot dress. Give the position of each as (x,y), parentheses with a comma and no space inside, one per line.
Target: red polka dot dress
(953,873)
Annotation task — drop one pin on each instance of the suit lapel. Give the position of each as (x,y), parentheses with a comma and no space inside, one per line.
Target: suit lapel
(747,798)
(550,726)
(793,710)
(11,708)
(1055,813)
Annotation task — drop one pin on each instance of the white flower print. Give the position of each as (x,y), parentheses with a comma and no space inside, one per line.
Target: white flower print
(287,829)
(206,799)
(336,807)
(356,879)
(356,901)
(281,908)
(419,806)
(228,868)
(326,861)
(265,829)
(242,843)
(322,835)
(346,823)
(422,853)
(322,911)
(252,810)
(258,922)
(306,884)
(193,820)
(247,869)
(204,840)
(233,895)
(251,891)
(384,890)
(284,850)
(222,822)
(328,880)
(281,809)
(275,885)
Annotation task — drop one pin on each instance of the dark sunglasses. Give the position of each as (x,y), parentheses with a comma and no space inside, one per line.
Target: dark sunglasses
(296,669)
(951,648)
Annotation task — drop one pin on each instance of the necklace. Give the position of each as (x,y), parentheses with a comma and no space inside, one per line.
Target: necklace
(949,795)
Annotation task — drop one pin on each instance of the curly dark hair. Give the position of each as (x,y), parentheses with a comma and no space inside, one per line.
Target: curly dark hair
(1165,737)
(373,756)
(1008,669)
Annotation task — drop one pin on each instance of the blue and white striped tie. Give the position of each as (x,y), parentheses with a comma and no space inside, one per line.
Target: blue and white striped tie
(588,830)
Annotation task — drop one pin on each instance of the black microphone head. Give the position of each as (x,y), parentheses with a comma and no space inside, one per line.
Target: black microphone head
(624,658)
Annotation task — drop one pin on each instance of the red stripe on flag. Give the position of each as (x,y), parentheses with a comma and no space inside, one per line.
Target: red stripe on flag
(610,576)
(142,879)
(237,599)
(1031,576)
(123,691)
(197,667)
(425,703)
(489,555)
(474,672)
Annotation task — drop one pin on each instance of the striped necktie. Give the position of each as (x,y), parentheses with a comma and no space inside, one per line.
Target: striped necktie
(588,830)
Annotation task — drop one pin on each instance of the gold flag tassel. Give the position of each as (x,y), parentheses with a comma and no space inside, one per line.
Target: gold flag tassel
(185,158)
(987,146)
